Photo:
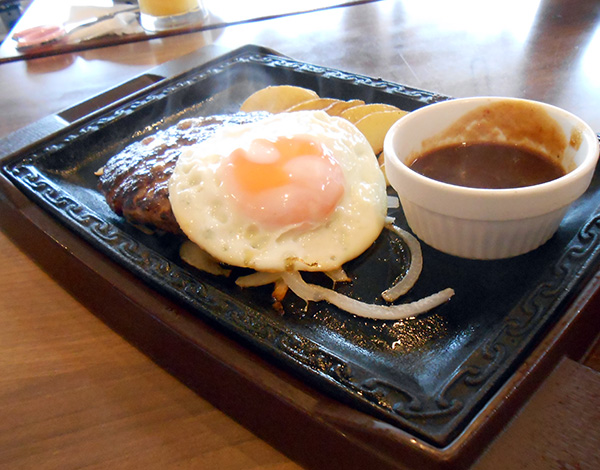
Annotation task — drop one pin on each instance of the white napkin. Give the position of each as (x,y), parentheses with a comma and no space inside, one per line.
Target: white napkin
(120,24)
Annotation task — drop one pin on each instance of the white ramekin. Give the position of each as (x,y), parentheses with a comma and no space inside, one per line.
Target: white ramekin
(483,223)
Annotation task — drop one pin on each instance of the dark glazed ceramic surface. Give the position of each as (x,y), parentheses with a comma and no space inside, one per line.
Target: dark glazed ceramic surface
(429,375)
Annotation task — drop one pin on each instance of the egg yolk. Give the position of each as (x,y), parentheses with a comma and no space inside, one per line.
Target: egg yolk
(287,181)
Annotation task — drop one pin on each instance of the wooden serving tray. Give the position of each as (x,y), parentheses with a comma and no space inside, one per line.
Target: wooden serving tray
(429,392)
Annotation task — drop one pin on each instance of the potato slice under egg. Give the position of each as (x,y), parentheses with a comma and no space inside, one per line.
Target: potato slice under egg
(338,108)
(276,99)
(315,104)
(372,119)
(375,126)
(356,113)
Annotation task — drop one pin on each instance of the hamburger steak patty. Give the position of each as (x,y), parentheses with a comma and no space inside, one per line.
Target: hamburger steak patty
(135,181)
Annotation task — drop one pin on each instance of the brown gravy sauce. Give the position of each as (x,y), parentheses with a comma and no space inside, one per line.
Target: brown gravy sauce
(515,126)
(488,165)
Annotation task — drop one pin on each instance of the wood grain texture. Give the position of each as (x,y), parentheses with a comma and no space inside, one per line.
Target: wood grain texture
(73,394)
(557,429)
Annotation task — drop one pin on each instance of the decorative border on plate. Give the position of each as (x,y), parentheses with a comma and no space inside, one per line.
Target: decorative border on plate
(444,414)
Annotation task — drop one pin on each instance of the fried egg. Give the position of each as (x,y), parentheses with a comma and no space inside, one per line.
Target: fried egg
(295,191)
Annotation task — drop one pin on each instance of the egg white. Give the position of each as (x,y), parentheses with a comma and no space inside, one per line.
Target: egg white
(211,218)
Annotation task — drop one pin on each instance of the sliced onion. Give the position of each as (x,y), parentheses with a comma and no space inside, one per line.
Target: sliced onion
(200,259)
(194,255)
(393,202)
(314,293)
(258,278)
(338,275)
(414,270)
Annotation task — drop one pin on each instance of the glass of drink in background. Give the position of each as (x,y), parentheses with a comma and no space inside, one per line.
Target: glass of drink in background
(163,15)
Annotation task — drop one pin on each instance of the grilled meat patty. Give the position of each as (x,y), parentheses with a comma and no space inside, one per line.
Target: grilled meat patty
(135,181)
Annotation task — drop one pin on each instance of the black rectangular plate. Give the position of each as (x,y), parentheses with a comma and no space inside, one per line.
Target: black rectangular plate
(430,375)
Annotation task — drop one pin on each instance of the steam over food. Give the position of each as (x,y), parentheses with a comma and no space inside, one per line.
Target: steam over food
(373,119)
(289,184)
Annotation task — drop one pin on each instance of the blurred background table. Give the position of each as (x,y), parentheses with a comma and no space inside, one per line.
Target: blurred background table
(74,394)
(117,21)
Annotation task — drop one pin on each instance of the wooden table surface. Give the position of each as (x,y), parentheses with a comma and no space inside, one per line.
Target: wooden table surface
(73,394)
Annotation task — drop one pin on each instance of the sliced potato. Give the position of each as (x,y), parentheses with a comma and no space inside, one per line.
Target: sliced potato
(355,113)
(374,126)
(313,105)
(339,107)
(277,98)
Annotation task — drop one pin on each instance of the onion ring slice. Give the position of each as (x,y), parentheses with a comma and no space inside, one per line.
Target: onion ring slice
(314,293)
(414,270)
(195,256)
(258,278)
(338,275)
